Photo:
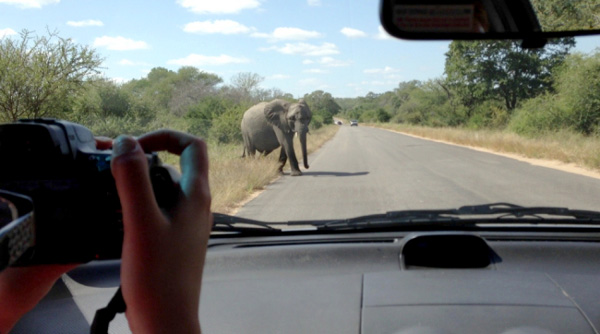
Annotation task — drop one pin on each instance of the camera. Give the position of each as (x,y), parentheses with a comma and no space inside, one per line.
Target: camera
(76,208)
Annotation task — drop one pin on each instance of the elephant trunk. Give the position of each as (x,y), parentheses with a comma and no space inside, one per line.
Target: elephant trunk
(302,137)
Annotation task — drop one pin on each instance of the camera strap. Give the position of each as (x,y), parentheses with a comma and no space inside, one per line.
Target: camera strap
(17,227)
(105,315)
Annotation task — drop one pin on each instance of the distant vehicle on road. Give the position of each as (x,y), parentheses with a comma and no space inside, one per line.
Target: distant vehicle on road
(338,122)
(354,123)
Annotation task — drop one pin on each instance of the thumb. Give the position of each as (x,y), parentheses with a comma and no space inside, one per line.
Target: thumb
(129,167)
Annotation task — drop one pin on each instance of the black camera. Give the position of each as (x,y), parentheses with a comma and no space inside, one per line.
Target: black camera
(76,209)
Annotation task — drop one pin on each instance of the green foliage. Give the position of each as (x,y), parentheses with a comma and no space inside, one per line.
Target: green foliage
(426,104)
(226,127)
(378,115)
(323,106)
(109,110)
(575,105)
(316,122)
(578,87)
(484,70)
(556,15)
(538,116)
(488,114)
(201,115)
(40,75)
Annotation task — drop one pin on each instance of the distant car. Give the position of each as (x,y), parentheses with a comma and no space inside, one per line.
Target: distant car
(354,123)
(338,122)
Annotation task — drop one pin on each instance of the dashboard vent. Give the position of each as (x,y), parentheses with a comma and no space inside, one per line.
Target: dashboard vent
(444,251)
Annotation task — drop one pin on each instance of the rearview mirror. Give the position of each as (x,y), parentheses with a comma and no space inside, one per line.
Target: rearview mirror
(489,19)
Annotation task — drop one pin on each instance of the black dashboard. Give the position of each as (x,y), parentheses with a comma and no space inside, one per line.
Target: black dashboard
(369,283)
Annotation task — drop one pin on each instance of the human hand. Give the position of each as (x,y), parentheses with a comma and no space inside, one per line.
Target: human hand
(22,288)
(163,256)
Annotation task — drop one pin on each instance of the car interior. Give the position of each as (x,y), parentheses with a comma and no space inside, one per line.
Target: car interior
(422,276)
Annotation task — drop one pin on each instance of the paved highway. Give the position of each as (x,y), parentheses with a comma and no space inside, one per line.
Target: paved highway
(365,170)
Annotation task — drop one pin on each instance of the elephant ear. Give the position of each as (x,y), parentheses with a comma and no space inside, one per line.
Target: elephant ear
(275,113)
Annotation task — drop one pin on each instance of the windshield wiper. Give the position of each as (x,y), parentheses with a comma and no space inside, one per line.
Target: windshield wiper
(465,216)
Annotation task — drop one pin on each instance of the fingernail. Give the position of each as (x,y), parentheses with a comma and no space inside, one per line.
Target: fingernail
(124,145)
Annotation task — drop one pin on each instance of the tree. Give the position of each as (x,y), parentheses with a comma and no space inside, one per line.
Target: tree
(39,75)
(502,70)
(190,86)
(556,15)
(246,84)
(323,104)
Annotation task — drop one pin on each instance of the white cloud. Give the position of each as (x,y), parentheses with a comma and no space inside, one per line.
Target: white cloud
(314,3)
(288,34)
(202,60)
(226,27)
(308,62)
(332,62)
(119,43)
(7,32)
(316,71)
(85,23)
(353,33)
(383,34)
(279,76)
(305,49)
(29,3)
(218,6)
(385,70)
(314,83)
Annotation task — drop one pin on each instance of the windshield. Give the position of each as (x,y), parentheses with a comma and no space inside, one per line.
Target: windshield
(378,124)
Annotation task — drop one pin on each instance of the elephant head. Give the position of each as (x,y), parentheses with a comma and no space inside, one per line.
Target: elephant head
(291,117)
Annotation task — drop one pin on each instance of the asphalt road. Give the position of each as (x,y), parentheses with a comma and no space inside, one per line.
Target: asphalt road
(365,170)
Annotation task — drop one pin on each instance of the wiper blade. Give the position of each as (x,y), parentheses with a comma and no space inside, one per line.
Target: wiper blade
(227,223)
(461,217)
(507,210)
(239,225)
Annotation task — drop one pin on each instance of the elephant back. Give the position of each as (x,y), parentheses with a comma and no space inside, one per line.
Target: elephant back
(257,131)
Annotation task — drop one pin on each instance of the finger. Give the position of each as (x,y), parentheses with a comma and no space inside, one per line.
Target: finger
(166,140)
(130,169)
(194,160)
(194,169)
(103,143)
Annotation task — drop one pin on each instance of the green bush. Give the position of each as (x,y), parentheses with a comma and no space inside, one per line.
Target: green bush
(316,122)
(227,127)
(578,86)
(539,115)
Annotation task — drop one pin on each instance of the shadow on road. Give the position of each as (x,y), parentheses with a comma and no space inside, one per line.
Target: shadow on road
(333,173)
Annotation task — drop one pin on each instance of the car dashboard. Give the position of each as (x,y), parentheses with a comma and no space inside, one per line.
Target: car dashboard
(388,282)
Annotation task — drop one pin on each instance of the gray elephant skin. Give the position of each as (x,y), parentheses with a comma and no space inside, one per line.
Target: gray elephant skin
(268,125)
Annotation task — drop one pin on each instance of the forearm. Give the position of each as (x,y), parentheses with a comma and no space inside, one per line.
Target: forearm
(22,288)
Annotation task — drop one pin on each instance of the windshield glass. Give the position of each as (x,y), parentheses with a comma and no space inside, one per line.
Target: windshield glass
(378,124)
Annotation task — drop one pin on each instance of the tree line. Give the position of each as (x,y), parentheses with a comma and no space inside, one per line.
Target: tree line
(493,84)
(496,84)
(51,76)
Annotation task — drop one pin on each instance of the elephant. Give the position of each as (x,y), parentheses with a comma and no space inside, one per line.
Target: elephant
(268,125)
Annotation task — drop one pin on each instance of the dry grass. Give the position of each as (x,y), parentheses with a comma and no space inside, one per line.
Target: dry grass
(563,146)
(234,180)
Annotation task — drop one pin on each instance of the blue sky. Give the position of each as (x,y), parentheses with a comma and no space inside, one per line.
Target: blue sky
(297,46)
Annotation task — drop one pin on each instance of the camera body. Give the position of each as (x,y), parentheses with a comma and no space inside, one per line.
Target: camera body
(76,205)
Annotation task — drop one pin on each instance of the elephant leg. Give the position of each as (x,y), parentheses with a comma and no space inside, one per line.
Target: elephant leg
(282,159)
(287,143)
(265,153)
